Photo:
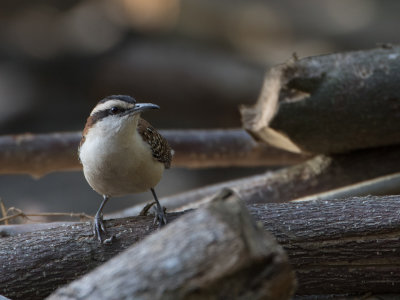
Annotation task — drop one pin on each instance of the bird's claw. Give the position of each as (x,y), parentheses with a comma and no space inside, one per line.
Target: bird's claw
(98,227)
(160,217)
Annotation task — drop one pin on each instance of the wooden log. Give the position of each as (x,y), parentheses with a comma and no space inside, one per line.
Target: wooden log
(60,254)
(331,103)
(216,252)
(340,246)
(345,246)
(40,154)
(317,175)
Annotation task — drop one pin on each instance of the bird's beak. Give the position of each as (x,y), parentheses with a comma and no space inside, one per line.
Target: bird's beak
(140,107)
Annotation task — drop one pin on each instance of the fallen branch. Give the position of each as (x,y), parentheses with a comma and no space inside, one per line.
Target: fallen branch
(336,247)
(330,103)
(317,175)
(44,153)
(188,259)
(385,185)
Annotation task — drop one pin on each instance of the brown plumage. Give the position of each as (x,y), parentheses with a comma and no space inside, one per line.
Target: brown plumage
(158,144)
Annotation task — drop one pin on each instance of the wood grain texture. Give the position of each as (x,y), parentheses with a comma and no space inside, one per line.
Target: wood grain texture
(339,246)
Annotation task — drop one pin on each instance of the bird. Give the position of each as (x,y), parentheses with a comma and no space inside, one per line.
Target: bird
(122,154)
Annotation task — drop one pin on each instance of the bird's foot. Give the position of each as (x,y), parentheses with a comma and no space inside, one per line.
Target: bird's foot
(160,217)
(98,227)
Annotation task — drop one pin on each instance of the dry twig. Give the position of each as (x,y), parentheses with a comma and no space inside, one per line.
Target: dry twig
(16,212)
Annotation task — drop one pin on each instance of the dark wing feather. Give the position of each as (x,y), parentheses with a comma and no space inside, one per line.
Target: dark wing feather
(158,144)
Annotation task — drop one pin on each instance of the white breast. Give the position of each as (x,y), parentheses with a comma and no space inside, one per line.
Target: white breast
(117,163)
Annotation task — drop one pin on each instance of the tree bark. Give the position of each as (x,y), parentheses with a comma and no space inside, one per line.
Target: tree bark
(340,246)
(188,260)
(331,103)
(336,247)
(34,264)
(317,175)
(40,154)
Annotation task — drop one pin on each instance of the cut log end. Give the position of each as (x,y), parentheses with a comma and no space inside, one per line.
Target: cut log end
(329,104)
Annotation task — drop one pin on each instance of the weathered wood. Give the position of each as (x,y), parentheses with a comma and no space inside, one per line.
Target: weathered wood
(330,103)
(317,175)
(336,247)
(43,153)
(347,246)
(34,264)
(216,252)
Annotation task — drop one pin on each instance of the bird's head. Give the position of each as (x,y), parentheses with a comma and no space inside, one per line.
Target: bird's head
(115,113)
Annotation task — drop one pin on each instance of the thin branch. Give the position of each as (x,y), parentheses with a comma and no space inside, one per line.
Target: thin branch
(3,211)
(20,213)
(43,153)
(384,185)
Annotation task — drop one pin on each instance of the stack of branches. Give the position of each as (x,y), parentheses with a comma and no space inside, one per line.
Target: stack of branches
(333,120)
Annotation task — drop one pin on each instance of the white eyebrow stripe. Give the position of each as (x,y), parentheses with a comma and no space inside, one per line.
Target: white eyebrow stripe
(110,103)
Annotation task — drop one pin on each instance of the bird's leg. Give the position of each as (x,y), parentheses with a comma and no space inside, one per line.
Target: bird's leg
(160,215)
(98,225)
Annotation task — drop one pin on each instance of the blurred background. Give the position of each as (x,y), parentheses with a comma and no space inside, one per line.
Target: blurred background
(198,59)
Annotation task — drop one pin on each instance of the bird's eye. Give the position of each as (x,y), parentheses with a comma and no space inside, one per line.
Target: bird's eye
(114,110)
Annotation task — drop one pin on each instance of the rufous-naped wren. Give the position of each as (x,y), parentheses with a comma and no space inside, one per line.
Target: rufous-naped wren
(122,153)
